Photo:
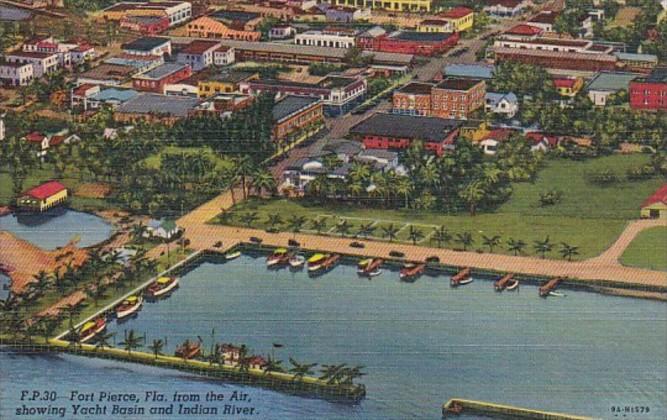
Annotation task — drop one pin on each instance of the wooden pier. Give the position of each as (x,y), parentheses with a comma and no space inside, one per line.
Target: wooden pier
(457,406)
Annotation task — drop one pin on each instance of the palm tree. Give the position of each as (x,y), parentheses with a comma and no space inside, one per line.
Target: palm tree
(295,223)
(465,239)
(244,360)
(71,311)
(491,241)
(132,341)
(249,218)
(543,247)
(42,282)
(441,235)
(157,347)
(515,246)
(330,373)
(244,168)
(137,231)
(350,374)
(273,365)
(274,219)
(299,370)
(415,235)
(404,187)
(568,251)
(103,340)
(473,194)
(390,232)
(366,230)
(319,224)
(343,227)
(263,180)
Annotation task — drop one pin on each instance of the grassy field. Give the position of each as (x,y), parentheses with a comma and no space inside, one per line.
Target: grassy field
(154,160)
(648,250)
(589,216)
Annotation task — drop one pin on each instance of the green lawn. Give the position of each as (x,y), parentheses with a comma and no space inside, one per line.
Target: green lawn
(588,216)
(648,250)
(154,160)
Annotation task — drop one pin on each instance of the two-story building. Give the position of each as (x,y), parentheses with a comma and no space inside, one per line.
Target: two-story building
(156,79)
(225,82)
(393,5)
(460,18)
(198,54)
(457,98)
(329,37)
(413,99)
(149,45)
(411,42)
(43,63)
(16,74)
(650,92)
(294,113)
(176,12)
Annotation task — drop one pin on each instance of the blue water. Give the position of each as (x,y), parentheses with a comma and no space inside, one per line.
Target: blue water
(57,227)
(421,343)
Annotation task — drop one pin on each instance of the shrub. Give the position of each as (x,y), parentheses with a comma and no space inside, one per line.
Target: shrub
(550,198)
(640,172)
(602,178)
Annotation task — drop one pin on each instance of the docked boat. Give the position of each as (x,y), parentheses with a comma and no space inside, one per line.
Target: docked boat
(371,268)
(188,349)
(363,263)
(461,278)
(513,286)
(315,261)
(297,261)
(129,306)
(329,262)
(279,257)
(410,272)
(549,287)
(162,286)
(91,328)
(556,294)
(232,255)
(502,283)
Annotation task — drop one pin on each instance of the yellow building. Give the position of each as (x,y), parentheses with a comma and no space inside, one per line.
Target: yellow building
(434,25)
(461,18)
(393,5)
(655,207)
(43,197)
(226,82)
(569,86)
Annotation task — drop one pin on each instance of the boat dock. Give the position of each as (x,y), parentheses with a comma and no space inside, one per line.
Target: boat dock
(549,286)
(457,406)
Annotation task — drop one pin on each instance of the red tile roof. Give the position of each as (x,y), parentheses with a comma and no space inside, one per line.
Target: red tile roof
(199,47)
(659,196)
(564,83)
(524,29)
(536,137)
(500,134)
(457,12)
(46,190)
(35,137)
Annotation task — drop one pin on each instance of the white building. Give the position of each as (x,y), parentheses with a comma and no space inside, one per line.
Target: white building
(326,38)
(281,32)
(505,104)
(177,11)
(16,74)
(198,54)
(506,8)
(224,56)
(149,45)
(42,62)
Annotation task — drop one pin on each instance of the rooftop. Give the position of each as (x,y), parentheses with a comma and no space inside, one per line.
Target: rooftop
(523,29)
(146,43)
(30,54)
(406,126)
(231,76)
(417,88)
(659,196)
(235,15)
(456,12)
(108,71)
(637,57)
(152,103)
(13,14)
(658,75)
(453,83)
(199,47)
(161,71)
(420,36)
(45,190)
(290,105)
(608,81)
(544,17)
(117,95)
(474,71)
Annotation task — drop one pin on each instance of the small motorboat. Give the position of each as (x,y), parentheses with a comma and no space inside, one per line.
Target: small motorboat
(188,349)
(513,286)
(461,278)
(329,262)
(232,255)
(315,261)
(363,263)
(162,286)
(547,288)
(556,294)
(371,268)
(129,306)
(297,261)
(91,328)
(410,272)
(279,257)
(502,283)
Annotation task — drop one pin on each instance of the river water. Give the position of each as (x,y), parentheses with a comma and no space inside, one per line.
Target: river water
(57,227)
(420,343)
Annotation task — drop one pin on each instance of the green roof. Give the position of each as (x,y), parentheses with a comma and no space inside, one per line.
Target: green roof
(168,225)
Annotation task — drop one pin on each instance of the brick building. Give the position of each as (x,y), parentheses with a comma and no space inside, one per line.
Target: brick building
(408,42)
(413,99)
(293,113)
(457,98)
(156,79)
(145,25)
(650,93)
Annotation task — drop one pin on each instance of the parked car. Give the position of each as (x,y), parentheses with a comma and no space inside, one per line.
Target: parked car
(255,240)
(396,254)
(357,244)
(433,259)
(292,242)
(217,244)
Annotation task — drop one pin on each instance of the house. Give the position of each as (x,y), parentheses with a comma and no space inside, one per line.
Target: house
(224,56)
(524,31)
(541,142)
(413,99)
(366,38)
(396,132)
(328,37)
(140,63)
(148,45)
(347,14)
(111,97)
(544,20)
(568,86)
(605,84)
(344,149)
(460,18)
(382,160)
(655,207)
(225,82)
(294,113)
(213,26)
(224,104)
(43,63)
(164,229)
(79,95)
(281,32)
(339,94)
(43,197)
(106,74)
(505,8)
(394,5)
(490,142)
(411,42)
(298,174)
(434,25)
(155,108)
(176,12)
(16,74)
(198,54)
(156,79)
(457,97)
(231,354)
(38,140)
(68,52)
(469,71)
(650,92)
(257,362)
(505,104)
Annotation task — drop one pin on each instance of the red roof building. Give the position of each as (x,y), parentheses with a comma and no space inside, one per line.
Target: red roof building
(655,207)
(524,30)
(456,12)
(46,190)
(43,197)
(650,93)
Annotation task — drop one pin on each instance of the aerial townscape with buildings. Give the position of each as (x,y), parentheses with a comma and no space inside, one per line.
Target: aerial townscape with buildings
(333,209)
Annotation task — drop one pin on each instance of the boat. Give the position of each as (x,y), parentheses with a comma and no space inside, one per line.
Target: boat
(371,268)
(91,328)
(556,294)
(547,288)
(315,261)
(279,257)
(129,306)
(461,278)
(502,283)
(232,255)
(329,262)
(188,349)
(363,263)
(513,286)
(162,286)
(411,271)
(297,261)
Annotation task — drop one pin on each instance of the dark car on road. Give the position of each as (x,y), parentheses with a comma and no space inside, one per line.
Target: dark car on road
(357,244)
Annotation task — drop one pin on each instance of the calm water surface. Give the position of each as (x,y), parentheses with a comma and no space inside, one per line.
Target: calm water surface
(421,343)
(57,227)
